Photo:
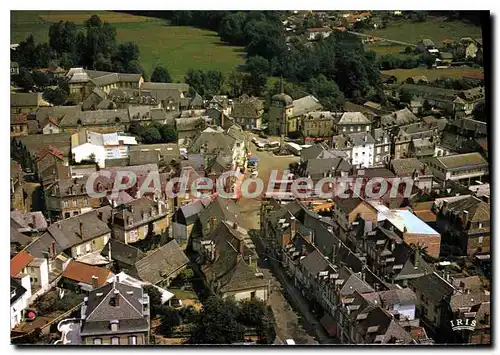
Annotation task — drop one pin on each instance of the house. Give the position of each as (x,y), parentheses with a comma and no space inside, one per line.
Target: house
(20,292)
(162,265)
(405,145)
(31,271)
(317,125)
(18,240)
(221,103)
(479,305)
(413,167)
(315,33)
(115,314)
(434,294)
(446,57)
(217,210)
(317,169)
(352,122)
(358,146)
(30,223)
(82,81)
(397,119)
(388,79)
(68,197)
(467,100)
(467,222)
(229,264)
(51,126)
(188,129)
(18,125)
(425,44)
(348,211)
(382,147)
(79,276)
(162,153)
(102,121)
(122,255)
(25,103)
(247,112)
(138,219)
(460,168)
(392,259)
(82,237)
(413,231)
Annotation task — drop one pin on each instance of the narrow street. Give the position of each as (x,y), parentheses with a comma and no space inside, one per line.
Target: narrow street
(296,323)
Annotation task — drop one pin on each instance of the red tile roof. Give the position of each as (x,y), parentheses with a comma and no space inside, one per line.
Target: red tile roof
(81,272)
(50,150)
(19,262)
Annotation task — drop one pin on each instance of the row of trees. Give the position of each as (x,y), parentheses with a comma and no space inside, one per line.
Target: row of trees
(404,61)
(154,133)
(93,47)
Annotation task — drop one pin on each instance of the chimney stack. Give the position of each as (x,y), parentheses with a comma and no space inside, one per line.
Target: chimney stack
(109,251)
(444,208)
(53,250)
(81,229)
(94,281)
(466,218)
(33,221)
(293,227)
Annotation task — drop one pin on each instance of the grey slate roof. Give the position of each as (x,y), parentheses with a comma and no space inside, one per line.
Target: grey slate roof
(101,309)
(404,296)
(77,230)
(161,263)
(305,105)
(122,252)
(433,287)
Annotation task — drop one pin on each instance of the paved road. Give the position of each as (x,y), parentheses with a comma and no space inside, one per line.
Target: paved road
(384,39)
(304,329)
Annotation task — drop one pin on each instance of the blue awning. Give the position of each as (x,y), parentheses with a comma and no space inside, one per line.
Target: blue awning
(253,159)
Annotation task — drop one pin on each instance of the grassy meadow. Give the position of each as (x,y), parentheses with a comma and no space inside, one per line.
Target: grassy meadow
(178,48)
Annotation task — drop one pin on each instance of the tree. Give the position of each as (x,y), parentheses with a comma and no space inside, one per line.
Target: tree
(479,112)
(100,41)
(161,75)
(259,70)
(24,80)
(151,135)
(327,91)
(235,84)
(154,299)
(168,133)
(207,84)
(25,53)
(231,28)
(256,314)
(421,16)
(56,97)
(62,38)
(405,96)
(41,79)
(170,318)
(428,59)
(217,323)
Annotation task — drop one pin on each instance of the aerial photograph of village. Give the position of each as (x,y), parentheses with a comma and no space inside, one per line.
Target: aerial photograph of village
(252,177)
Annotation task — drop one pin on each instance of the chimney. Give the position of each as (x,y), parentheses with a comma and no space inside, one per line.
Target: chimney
(109,251)
(416,262)
(465,218)
(33,221)
(235,226)
(213,223)
(117,278)
(81,229)
(293,226)
(242,250)
(444,207)
(53,250)
(94,281)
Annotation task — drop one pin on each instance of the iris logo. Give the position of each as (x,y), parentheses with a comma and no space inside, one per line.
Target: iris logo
(463,324)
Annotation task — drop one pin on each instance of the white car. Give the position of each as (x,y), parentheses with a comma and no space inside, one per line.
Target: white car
(289,342)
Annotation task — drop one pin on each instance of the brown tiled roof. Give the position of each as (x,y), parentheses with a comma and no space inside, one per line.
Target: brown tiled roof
(19,262)
(81,272)
(50,150)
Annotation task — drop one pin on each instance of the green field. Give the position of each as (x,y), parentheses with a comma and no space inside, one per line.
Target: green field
(434,28)
(433,74)
(178,48)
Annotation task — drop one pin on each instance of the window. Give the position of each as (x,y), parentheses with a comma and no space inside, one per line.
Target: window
(114,327)
(67,214)
(480,226)
(85,202)
(97,341)
(378,150)
(115,341)
(480,240)
(386,149)
(74,203)
(252,295)
(66,204)
(132,340)
(87,247)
